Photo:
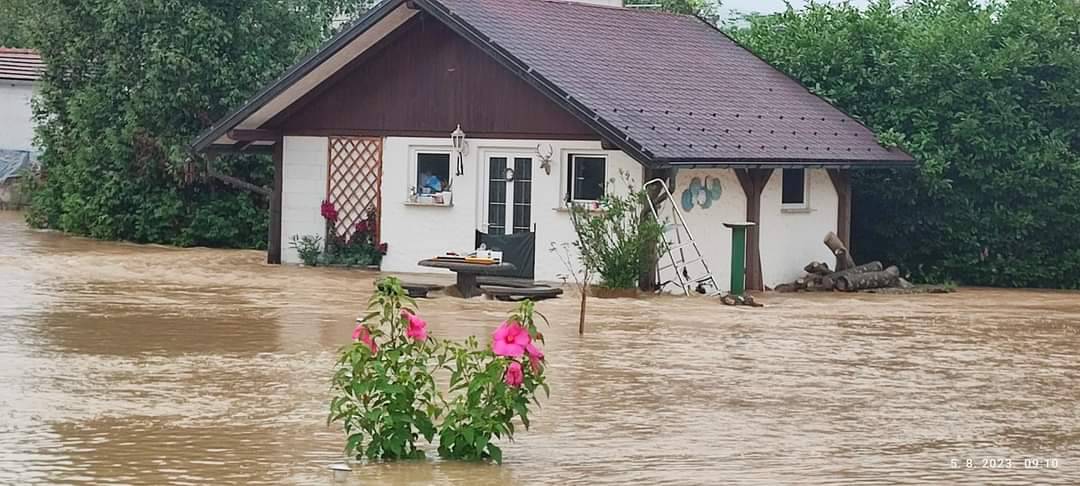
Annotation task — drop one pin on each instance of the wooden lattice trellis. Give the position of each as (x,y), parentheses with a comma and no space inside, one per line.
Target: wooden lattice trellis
(354,180)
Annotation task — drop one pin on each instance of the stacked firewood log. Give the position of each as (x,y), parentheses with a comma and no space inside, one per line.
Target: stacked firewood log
(847,277)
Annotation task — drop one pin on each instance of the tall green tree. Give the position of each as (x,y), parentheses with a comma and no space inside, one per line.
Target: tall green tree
(129,83)
(986,96)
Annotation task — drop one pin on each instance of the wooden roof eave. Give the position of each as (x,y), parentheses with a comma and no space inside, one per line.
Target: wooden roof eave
(213,134)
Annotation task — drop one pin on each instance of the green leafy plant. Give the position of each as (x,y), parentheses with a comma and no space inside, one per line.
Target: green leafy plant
(615,238)
(491,386)
(360,248)
(385,394)
(309,247)
(387,399)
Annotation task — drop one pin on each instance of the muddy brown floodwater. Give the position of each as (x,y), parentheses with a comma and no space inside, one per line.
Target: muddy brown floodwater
(123,363)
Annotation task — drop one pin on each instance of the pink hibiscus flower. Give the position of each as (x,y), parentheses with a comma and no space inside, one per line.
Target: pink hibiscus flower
(514,376)
(536,356)
(510,340)
(417,327)
(361,333)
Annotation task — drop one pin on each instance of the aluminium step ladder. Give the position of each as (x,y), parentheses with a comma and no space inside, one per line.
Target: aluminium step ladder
(685,246)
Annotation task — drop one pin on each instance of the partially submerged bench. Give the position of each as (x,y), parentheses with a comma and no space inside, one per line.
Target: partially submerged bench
(514,294)
(420,290)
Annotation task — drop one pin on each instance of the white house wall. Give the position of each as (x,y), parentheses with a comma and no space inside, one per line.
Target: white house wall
(16,116)
(414,233)
(791,239)
(706,224)
(305,165)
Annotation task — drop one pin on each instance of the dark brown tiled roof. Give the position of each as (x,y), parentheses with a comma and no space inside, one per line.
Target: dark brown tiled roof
(20,64)
(671,84)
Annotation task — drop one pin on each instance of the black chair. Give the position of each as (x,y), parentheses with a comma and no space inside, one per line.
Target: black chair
(518,248)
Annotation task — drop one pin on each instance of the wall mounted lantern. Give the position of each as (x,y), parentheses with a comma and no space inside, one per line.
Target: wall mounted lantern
(544,151)
(461,147)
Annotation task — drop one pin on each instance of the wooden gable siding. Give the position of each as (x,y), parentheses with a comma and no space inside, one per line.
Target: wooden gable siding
(424,80)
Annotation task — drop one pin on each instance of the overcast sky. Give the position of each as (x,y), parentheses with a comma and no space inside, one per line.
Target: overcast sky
(767,6)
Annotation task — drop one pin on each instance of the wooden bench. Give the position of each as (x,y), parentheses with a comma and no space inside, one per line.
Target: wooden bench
(420,290)
(514,294)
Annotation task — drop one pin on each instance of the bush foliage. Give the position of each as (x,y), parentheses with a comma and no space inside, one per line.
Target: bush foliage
(387,397)
(986,95)
(129,83)
(616,237)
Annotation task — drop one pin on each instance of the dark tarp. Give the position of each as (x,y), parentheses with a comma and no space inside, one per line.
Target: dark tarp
(518,248)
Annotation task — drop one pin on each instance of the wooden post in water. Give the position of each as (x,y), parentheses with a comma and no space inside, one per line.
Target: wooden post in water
(273,245)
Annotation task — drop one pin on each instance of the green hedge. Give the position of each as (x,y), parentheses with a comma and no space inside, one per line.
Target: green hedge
(987,98)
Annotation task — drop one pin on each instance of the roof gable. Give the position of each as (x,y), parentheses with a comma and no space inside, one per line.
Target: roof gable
(667,89)
(447,82)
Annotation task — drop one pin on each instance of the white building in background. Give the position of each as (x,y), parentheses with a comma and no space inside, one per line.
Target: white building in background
(20,70)
(554,99)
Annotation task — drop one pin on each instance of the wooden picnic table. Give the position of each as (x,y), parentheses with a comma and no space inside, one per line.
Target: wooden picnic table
(467,272)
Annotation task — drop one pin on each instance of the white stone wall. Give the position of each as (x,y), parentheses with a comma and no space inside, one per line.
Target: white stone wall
(303,189)
(414,233)
(16,117)
(792,238)
(706,224)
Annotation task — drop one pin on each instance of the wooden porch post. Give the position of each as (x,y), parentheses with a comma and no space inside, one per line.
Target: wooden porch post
(841,181)
(273,246)
(753,183)
(647,279)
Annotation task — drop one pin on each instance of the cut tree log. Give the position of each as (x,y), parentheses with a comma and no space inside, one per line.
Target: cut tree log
(890,277)
(874,266)
(844,260)
(818,268)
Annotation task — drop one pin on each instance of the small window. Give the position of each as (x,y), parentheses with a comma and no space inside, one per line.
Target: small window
(586,177)
(794,181)
(432,173)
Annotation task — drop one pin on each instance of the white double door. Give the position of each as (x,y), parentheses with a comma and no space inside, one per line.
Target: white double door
(508,190)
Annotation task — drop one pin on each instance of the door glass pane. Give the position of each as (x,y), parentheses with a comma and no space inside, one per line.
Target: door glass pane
(522,195)
(497,195)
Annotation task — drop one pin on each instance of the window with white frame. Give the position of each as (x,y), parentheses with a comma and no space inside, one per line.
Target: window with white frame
(432,173)
(795,187)
(586,176)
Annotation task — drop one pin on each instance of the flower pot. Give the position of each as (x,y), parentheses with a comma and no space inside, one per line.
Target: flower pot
(610,293)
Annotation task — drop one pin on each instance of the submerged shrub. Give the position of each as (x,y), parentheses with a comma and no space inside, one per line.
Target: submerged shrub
(309,247)
(387,398)
(615,238)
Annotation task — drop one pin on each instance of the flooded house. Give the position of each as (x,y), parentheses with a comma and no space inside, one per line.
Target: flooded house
(20,71)
(452,118)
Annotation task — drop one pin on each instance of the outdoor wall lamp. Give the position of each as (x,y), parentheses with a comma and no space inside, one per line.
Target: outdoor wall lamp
(544,151)
(461,147)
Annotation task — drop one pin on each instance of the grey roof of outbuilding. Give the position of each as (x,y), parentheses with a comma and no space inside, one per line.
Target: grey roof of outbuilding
(674,84)
(20,64)
(670,90)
